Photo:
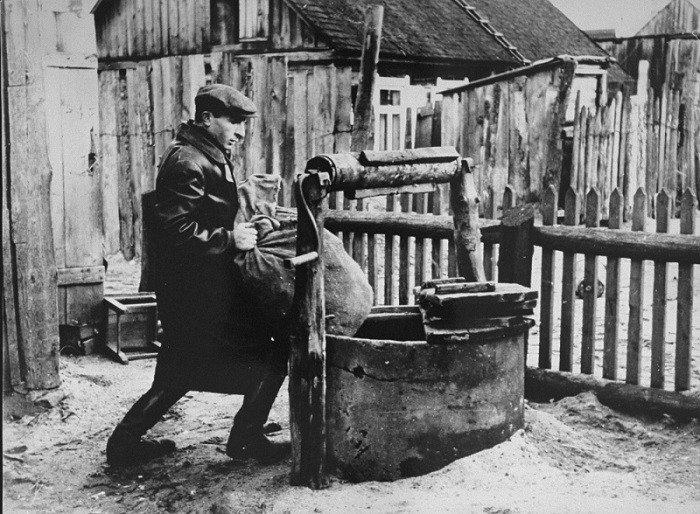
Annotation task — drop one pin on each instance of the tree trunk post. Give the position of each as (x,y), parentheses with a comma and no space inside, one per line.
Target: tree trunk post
(465,207)
(515,260)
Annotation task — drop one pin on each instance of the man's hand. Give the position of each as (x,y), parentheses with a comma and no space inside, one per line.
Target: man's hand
(245,236)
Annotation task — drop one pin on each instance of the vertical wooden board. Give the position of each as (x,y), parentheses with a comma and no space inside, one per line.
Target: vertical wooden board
(173,10)
(325,103)
(151,26)
(537,106)
(193,77)
(108,82)
(590,295)
(125,183)
(128,11)
(255,150)
(176,92)
(286,194)
(140,27)
(684,321)
(612,294)
(661,152)
(192,28)
(145,129)
(616,171)
(636,298)
(300,101)
(603,159)
(156,94)
(568,288)
(137,154)
(54,135)
(518,176)
(276,127)
(343,109)
(501,152)
(549,218)
(590,153)
(658,311)
(450,120)
(576,144)
(203,36)
(82,183)
(673,174)
(164,25)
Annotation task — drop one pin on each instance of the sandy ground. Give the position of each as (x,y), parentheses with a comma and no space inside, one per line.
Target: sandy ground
(574,455)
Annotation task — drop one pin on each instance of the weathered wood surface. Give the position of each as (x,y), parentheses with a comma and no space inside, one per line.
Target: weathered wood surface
(515,254)
(569,284)
(549,216)
(307,357)
(612,294)
(32,264)
(658,315)
(541,384)
(684,323)
(590,294)
(363,126)
(636,297)
(622,244)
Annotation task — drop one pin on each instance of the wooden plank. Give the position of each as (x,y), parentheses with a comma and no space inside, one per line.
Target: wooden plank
(658,324)
(54,125)
(584,153)
(29,202)
(152,28)
(173,27)
(11,358)
(549,216)
(576,143)
(164,17)
(591,156)
(684,322)
(590,294)
(569,284)
(463,200)
(156,94)
(139,17)
(515,252)
(672,170)
(490,252)
(363,127)
(612,294)
(145,128)
(307,362)
(636,299)
(276,126)
(131,185)
(125,180)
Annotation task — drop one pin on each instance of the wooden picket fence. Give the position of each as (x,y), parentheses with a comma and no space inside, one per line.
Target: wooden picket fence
(616,243)
(588,339)
(639,141)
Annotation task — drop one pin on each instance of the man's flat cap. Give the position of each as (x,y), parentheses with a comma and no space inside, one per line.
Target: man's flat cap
(226,98)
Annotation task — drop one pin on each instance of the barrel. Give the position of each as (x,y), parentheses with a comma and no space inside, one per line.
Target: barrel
(400,407)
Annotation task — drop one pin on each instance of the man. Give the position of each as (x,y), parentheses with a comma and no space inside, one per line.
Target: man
(211,340)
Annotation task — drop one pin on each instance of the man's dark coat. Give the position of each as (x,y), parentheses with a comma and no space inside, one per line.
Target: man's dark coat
(210,338)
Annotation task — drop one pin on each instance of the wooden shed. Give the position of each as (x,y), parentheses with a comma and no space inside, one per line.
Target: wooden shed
(299,62)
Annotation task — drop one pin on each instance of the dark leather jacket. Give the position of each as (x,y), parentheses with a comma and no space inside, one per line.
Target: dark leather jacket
(208,325)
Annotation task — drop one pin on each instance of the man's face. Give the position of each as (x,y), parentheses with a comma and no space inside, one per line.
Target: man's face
(226,132)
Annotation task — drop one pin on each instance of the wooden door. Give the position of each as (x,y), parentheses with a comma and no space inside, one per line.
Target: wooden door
(76,188)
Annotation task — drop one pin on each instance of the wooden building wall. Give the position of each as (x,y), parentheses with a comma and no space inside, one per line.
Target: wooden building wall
(673,61)
(138,29)
(147,29)
(512,129)
(678,17)
(305,109)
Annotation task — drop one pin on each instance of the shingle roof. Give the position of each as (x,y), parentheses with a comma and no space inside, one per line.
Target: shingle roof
(442,29)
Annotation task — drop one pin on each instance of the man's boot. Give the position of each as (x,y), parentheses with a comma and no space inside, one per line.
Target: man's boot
(247,439)
(126,446)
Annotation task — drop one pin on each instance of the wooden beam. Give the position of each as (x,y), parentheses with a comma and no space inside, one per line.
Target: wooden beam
(363,134)
(465,208)
(307,386)
(620,243)
(86,275)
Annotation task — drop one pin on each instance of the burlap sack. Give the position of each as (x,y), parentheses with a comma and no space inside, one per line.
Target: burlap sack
(270,285)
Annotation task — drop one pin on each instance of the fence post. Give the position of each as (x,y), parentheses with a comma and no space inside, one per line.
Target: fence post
(684,328)
(515,254)
(464,201)
(568,287)
(549,217)
(590,293)
(634,336)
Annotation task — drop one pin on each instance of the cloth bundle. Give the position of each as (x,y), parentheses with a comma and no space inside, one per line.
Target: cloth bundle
(270,285)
